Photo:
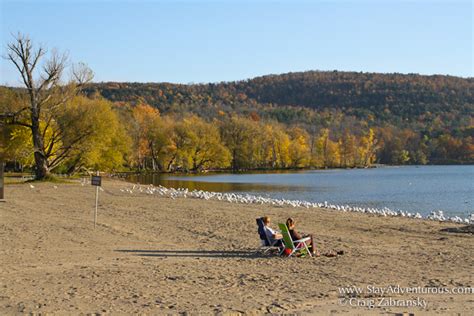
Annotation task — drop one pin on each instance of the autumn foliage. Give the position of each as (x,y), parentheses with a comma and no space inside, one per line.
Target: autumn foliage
(252,125)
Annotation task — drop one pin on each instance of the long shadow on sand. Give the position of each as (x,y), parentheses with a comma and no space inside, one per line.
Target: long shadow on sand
(194,253)
(468,229)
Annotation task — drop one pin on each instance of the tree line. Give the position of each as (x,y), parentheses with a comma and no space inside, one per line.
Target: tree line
(417,119)
(96,134)
(56,125)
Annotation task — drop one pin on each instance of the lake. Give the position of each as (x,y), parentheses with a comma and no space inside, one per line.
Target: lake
(410,188)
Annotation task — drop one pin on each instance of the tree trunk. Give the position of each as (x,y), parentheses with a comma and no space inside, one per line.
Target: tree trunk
(74,167)
(154,156)
(168,168)
(234,158)
(41,163)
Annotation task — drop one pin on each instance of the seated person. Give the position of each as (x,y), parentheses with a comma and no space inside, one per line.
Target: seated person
(290,223)
(274,237)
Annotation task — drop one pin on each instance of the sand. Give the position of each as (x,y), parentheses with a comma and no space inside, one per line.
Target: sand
(155,255)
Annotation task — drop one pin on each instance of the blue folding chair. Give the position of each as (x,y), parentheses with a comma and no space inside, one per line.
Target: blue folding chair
(267,245)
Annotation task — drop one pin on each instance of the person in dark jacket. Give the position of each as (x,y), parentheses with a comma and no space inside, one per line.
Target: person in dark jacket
(290,223)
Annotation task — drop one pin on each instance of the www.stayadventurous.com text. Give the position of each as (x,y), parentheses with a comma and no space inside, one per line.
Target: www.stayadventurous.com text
(391,296)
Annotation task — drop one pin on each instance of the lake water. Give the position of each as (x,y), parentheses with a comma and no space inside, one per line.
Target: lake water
(410,188)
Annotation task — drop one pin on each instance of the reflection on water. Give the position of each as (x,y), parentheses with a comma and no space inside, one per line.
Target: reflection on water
(412,188)
(191,184)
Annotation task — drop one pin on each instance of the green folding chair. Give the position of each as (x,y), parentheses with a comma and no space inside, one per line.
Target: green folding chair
(295,246)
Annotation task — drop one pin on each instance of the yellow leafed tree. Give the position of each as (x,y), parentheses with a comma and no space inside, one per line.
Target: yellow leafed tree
(103,143)
(367,149)
(299,151)
(198,145)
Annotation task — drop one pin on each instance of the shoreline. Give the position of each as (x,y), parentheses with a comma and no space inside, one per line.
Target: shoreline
(256,199)
(123,174)
(437,215)
(278,170)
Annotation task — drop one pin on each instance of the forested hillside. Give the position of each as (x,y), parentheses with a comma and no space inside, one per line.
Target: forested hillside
(295,120)
(417,119)
(389,97)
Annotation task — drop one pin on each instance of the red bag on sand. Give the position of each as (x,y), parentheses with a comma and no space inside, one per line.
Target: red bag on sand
(287,252)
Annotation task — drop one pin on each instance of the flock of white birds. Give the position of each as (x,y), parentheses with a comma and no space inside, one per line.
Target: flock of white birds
(254,199)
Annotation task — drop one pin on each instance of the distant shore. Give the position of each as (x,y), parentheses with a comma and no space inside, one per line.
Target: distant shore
(275,170)
(254,170)
(152,254)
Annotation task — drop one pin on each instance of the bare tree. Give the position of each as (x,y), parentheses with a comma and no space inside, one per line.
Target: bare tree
(43,89)
(82,74)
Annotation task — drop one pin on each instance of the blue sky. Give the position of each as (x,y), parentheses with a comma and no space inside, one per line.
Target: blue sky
(211,41)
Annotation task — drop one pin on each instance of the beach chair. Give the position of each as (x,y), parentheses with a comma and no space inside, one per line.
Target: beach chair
(266,244)
(295,246)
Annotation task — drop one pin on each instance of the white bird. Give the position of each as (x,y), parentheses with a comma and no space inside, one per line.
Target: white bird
(253,199)
(32,186)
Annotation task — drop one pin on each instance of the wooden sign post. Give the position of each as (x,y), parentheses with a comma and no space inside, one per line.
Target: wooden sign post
(97,181)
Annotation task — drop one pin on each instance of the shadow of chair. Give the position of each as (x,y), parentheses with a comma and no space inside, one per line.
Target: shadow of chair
(194,253)
(468,229)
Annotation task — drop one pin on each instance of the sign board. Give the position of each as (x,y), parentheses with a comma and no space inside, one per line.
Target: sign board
(96,180)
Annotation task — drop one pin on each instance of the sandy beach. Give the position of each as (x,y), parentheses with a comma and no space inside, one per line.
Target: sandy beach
(156,255)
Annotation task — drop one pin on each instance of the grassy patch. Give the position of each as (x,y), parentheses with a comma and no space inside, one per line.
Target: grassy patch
(18,178)
(51,179)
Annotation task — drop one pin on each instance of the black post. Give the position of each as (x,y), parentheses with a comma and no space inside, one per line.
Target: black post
(2,158)
(3,143)
(2,197)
